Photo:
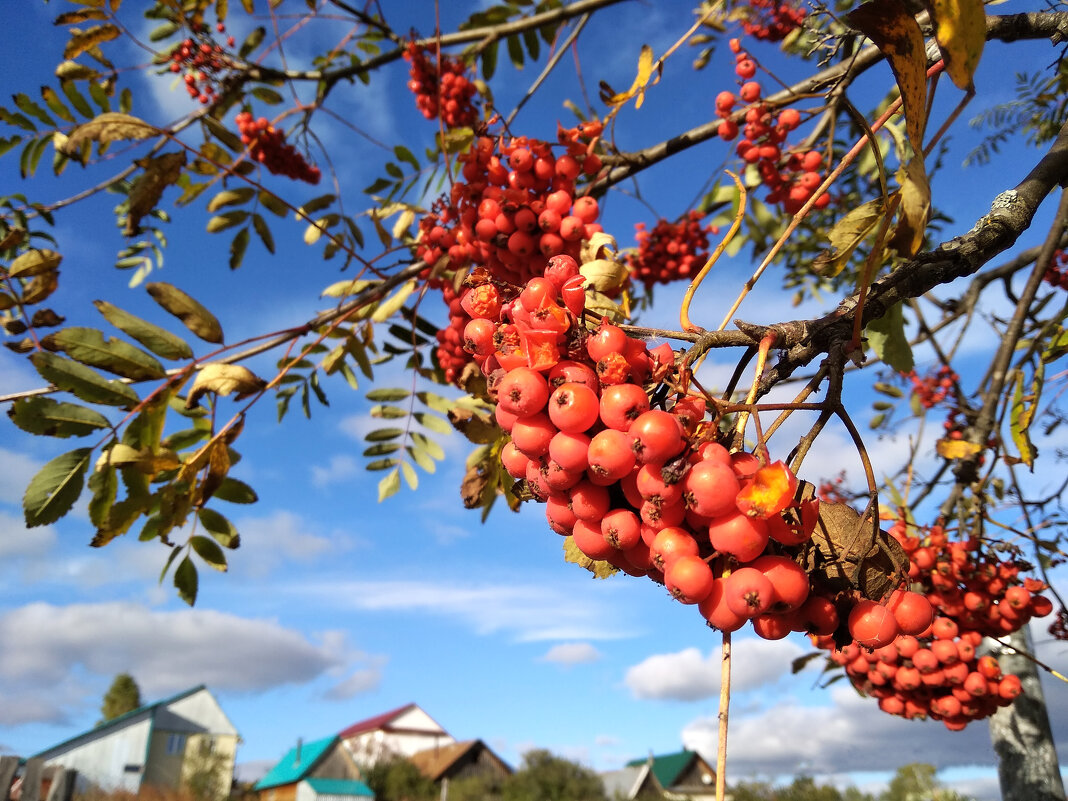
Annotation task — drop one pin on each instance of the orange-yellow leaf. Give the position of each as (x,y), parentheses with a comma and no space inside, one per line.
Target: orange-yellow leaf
(641,82)
(897,34)
(956,448)
(80,41)
(960,30)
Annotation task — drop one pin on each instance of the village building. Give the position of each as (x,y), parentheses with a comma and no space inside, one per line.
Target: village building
(163,745)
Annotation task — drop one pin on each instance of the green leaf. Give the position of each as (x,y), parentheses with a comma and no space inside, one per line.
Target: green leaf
(389,485)
(387,395)
(422,458)
(238,246)
(209,550)
(83,382)
(433,422)
(382,449)
(219,527)
(268,96)
(29,107)
(433,449)
(231,197)
(52,418)
(55,488)
(57,106)
(263,231)
(104,484)
(388,412)
(221,222)
(1022,414)
(158,340)
(195,317)
(235,491)
(384,434)
(489,60)
(34,262)
(88,346)
(887,338)
(515,51)
(185,580)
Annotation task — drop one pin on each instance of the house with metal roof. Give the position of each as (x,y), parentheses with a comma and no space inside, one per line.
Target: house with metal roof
(164,745)
(682,775)
(399,732)
(321,770)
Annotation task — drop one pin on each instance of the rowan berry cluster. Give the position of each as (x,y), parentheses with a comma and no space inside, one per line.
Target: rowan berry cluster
(515,207)
(671,251)
(933,670)
(441,86)
(790,177)
(833,490)
(642,486)
(267,145)
(933,388)
(202,60)
(771,20)
(1057,272)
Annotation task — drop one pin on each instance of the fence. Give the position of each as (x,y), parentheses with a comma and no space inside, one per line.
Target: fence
(35,781)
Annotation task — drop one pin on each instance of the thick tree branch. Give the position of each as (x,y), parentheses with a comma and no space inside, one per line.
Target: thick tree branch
(1008,28)
(1010,215)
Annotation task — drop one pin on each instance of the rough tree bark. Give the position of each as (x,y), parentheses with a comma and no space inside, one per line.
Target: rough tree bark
(1028,769)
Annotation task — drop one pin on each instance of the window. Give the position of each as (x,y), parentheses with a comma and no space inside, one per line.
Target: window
(175,743)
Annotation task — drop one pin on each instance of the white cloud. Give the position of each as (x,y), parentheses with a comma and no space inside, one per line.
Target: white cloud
(360,681)
(572,653)
(531,611)
(19,542)
(339,469)
(688,675)
(166,651)
(276,540)
(850,731)
(16,470)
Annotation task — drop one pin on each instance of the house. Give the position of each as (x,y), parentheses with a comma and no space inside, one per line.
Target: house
(682,775)
(400,732)
(322,770)
(169,744)
(468,759)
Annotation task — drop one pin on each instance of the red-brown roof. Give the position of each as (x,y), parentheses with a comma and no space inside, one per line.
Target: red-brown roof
(375,723)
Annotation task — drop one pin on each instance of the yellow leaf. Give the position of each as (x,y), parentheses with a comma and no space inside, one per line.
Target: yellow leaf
(604,275)
(960,30)
(956,448)
(641,82)
(898,36)
(915,208)
(224,379)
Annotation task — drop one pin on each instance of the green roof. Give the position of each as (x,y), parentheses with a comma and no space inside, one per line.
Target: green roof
(291,769)
(340,787)
(668,767)
(122,719)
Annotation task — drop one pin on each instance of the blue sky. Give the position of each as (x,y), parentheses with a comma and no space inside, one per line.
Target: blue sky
(337,608)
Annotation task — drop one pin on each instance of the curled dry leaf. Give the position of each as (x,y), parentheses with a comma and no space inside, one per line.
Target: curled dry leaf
(111,126)
(224,379)
(852,554)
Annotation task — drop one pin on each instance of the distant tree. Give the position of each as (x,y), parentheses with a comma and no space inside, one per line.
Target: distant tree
(803,788)
(474,788)
(205,777)
(397,779)
(123,696)
(546,777)
(917,782)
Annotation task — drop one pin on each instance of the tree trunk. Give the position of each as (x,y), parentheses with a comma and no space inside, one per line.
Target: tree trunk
(1028,769)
